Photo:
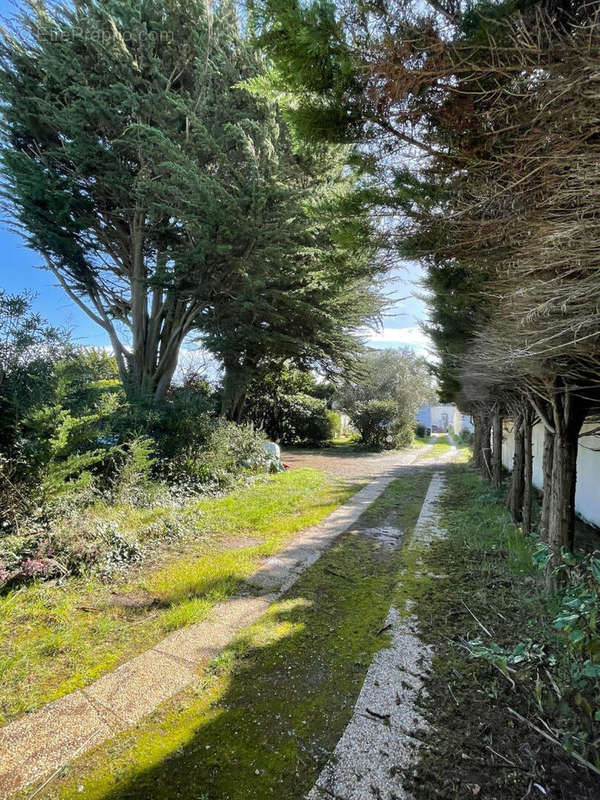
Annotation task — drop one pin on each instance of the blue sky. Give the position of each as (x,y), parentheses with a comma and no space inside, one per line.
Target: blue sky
(20,271)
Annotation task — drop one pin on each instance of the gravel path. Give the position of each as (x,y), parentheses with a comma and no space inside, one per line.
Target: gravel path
(351,465)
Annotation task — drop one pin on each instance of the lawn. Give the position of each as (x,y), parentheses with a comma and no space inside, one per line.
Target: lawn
(55,638)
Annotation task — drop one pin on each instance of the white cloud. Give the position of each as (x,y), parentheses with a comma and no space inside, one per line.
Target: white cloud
(412,336)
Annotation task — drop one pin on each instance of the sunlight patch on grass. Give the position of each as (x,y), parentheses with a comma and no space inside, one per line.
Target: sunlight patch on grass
(58,638)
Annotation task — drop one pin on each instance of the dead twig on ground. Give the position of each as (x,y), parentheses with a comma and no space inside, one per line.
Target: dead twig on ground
(330,571)
(377,715)
(481,625)
(579,758)
(385,628)
(508,761)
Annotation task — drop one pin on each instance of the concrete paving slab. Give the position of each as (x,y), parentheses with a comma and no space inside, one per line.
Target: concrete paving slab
(52,736)
(202,642)
(134,689)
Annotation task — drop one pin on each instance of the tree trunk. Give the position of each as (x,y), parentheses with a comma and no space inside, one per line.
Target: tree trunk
(568,414)
(515,496)
(477,441)
(482,450)
(528,420)
(497,451)
(547,485)
(234,392)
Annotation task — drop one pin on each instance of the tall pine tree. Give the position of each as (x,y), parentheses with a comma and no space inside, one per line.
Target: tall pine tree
(165,198)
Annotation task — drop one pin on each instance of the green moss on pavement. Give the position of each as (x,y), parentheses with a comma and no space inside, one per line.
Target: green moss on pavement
(265,718)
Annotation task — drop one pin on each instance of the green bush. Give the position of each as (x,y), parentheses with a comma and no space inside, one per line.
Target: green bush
(185,421)
(231,450)
(379,427)
(133,483)
(578,620)
(465,437)
(304,420)
(294,419)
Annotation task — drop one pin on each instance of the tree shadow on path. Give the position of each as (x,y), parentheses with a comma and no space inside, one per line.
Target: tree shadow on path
(265,719)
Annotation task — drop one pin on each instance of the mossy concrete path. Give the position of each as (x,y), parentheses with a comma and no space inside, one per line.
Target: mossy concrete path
(378,743)
(35,747)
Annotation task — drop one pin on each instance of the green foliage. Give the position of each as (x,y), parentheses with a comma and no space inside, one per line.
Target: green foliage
(304,420)
(283,404)
(578,619)
(169,200)
(133,480)
(307,311)
(29,350)
(465,437)
(84,377)
(316,69)
(383,398)
(378,424)
(554,658)
(335,424)
(230,451)
(182,423)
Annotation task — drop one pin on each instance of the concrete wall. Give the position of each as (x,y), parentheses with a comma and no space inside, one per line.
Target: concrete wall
(587,497)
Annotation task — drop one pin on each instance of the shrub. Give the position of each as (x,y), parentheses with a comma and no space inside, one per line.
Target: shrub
(184,422)
(230,450)
(379,426)
(133,483)
(304,420)
(578,620)
(293,419)
(284,405)
(374,420)
(73,545)
(117,552)
(466,437)
(421,431)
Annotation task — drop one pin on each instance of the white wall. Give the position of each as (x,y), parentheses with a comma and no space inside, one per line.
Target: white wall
(442,415)
(462,422)
(587,497)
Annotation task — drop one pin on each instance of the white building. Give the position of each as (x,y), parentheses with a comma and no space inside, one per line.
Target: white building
(444,417)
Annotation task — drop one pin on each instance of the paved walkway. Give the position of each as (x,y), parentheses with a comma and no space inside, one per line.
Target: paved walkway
(41,743)
(377,743)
